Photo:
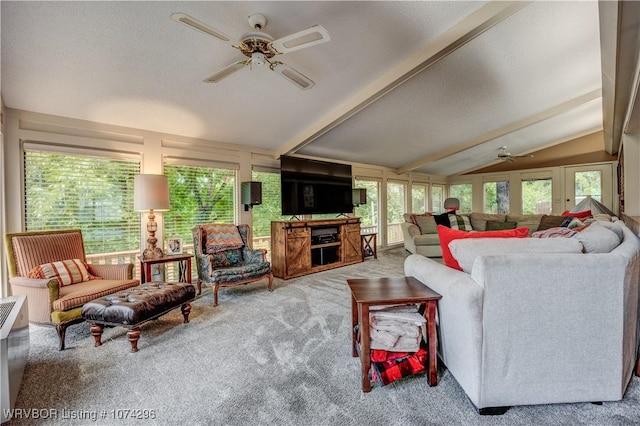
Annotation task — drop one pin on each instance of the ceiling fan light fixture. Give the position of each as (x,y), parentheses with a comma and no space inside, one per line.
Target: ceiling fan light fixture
(258,58)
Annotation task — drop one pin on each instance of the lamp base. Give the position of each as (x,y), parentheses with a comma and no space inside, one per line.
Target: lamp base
(152,253)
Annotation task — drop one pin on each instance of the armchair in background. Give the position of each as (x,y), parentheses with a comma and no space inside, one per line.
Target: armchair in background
(50,268)
(225,257)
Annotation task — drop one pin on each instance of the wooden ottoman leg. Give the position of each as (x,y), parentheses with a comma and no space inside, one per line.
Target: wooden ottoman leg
(186,310)
(133,335)
(96,332)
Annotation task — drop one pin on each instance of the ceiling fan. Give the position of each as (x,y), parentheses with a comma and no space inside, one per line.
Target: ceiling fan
(505,155)
(260,48)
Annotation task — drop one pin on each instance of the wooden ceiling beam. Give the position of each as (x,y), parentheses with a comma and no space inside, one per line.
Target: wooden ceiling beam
(464,31)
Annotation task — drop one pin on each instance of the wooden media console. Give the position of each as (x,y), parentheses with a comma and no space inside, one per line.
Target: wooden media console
(301,247)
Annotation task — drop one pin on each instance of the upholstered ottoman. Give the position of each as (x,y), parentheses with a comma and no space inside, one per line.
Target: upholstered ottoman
(135,306)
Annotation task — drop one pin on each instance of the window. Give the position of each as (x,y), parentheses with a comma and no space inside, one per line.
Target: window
(369,213)
(419,198)
(92,193)
(463,192)
(198,194)
(588,183)
(536,196)
(437,199)
(496,197)
(269,210)
(396,207)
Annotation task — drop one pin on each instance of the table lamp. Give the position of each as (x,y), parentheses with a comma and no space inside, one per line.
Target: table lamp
(151,192)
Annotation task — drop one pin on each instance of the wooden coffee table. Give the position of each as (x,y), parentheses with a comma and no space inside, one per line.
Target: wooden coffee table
(368,292)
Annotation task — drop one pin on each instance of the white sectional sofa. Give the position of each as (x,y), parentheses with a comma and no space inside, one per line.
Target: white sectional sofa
(537,325)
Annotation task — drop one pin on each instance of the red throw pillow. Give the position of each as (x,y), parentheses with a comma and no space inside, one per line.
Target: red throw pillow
(446,235)
(579,215)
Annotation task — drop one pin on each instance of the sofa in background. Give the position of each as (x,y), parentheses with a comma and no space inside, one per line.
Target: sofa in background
(537,321)
(421,235)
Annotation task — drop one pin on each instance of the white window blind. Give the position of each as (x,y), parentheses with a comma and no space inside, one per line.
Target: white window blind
(198,195)
(92,193)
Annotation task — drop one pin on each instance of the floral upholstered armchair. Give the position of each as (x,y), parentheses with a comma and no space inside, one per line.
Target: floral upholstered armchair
(51,269)
(225,257)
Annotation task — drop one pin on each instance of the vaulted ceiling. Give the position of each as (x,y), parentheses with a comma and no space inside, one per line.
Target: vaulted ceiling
(434,87)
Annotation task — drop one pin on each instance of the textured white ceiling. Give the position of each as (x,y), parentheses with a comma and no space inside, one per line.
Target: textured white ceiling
(129,64)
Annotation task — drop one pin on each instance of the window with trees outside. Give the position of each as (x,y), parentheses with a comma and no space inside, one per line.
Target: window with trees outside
(269,210)
(369,213)
(536,196)
(437,198)
(199,195)
(464,193)
(588,183)
(419,197)
(87,192)
(496,197)
(396,207)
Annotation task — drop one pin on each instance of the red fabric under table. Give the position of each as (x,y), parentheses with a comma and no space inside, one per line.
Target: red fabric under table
(387,367)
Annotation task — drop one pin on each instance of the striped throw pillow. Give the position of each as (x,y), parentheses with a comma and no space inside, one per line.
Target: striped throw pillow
(67,272)
(460,222)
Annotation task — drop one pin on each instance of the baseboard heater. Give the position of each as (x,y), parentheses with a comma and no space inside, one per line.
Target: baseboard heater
(14,349)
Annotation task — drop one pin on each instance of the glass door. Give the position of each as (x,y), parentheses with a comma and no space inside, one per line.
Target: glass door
(584,181)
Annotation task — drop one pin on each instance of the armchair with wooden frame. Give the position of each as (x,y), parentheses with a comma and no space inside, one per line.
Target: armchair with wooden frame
(225,257)
(50,268)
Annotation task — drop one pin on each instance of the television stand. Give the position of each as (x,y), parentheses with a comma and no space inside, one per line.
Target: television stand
(304,247)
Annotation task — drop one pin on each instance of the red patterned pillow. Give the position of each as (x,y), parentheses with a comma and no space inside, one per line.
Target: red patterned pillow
(579,215)
(71,271)
(446,235)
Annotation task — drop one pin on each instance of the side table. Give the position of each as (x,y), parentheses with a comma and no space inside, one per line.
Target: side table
(366,292)
(184,266)
(369,245)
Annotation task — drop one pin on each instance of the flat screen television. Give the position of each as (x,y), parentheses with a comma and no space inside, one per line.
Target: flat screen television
(315,187)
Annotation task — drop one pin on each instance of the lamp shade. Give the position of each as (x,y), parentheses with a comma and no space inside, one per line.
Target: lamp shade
(151,192)
(451,204)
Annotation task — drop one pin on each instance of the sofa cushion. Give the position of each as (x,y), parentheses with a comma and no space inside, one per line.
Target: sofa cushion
(73,296)
(67,272)
(531,221)
(550,221)
(466,250)
(447,235)
(479,220)
(426,239)
(426,223)
(597,239)
(493,225)
(460,222)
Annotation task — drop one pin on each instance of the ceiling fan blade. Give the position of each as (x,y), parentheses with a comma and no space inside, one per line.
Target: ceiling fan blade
(292,75)
(192,22)
(305,38)
(224,72)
